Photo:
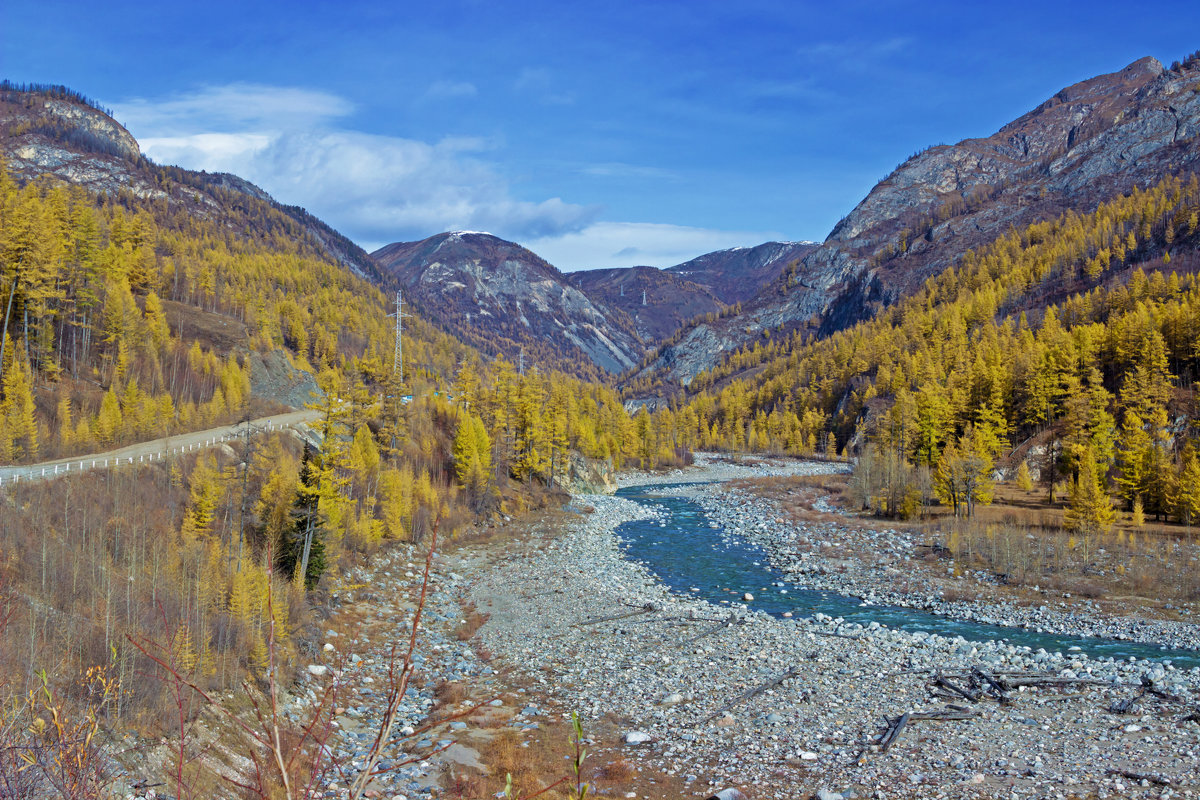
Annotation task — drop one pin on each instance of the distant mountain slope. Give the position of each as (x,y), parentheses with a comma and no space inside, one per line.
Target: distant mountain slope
(736,275)
(57,132)
(501,298)
(1088,143)
(658,301)
(118,268)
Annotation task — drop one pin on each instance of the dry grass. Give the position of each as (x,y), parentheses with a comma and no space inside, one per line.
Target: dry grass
(471,623)
(449,693)
(1019,540)
(530,760)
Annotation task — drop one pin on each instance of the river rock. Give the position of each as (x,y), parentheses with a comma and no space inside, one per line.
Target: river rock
(636,737)
(728,794)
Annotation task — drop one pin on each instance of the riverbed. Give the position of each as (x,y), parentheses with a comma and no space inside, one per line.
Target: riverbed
(618,640)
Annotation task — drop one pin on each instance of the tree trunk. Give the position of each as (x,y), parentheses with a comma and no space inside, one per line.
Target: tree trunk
(308,537)
(7,313)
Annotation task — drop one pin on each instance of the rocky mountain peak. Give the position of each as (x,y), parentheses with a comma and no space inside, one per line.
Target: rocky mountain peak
(53,130)
(503,298)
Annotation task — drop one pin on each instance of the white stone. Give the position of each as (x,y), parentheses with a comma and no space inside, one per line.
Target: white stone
(637,737)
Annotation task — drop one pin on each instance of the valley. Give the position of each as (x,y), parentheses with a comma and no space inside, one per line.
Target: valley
(564,621)
(909,512)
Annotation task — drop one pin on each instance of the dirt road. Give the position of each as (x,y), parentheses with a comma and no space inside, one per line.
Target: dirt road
(154,450)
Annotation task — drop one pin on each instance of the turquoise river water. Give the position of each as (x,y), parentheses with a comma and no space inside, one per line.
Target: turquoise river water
(693,558)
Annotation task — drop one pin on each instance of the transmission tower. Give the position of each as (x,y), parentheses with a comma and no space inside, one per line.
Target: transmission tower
(398,358)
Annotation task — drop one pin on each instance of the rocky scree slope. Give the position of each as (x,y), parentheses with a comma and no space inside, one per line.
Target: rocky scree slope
(502,298)
(53,131)
(1086,144)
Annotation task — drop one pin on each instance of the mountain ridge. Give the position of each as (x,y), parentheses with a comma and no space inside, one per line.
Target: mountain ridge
(1085,144)
(51,130)
(505,299)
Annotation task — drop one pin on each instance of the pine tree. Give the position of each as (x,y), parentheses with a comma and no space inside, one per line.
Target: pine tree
(1134,458)
(1187,498)
(396,489)
(1090,511)
(302,551)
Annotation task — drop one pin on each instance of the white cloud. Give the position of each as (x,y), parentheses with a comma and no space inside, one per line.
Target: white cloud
(618,169)
(379,189)
(625,244)
(232,108)
(852,54)
(376,189)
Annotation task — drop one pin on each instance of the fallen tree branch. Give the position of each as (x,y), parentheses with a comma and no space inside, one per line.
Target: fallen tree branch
(757,690)
(1137,776)
(649,608)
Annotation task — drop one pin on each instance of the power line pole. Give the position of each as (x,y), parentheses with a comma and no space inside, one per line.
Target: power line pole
(398,356)
(643,297)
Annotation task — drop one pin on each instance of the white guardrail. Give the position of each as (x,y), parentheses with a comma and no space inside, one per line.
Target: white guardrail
(64,468)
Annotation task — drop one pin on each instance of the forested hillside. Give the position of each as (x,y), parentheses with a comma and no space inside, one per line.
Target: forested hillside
(128,317)
(1010,346)
(1084,145)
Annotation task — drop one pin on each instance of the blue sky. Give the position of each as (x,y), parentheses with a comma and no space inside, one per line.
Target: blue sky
(598,134)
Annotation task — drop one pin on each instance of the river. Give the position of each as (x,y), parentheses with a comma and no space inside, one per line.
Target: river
(692,557)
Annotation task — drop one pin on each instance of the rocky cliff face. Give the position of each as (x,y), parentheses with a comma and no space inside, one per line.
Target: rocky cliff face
(1086,144)
(501,298)
(77,143)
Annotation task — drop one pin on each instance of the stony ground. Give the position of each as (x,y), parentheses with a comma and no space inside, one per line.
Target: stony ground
(674,676)
(687,702)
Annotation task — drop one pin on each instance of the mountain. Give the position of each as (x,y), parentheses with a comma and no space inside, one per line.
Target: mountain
(737,274)
(503,298)
(137,251)
(53,131)
(1086,144)
(658,301)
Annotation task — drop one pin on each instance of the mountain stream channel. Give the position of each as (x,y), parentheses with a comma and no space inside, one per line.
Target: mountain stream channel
(692,554)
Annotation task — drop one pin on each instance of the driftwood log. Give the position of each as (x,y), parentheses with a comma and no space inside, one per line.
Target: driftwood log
(892,728)
(1137,776)
(729,621)
(893,731)
(755,692)
(649,608)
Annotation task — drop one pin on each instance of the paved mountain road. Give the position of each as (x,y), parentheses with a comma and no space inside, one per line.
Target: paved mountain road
(154,450)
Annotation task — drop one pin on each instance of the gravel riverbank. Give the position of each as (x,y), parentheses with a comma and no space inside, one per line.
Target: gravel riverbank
(675,674)
(877,566)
